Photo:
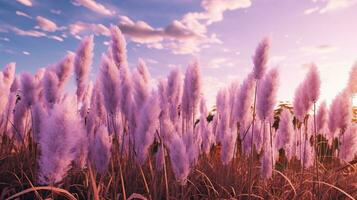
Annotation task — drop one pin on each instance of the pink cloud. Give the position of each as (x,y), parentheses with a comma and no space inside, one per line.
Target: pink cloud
(95,7)
(46,24)
(19,13)
(30,33)
(25,2)
(83,28)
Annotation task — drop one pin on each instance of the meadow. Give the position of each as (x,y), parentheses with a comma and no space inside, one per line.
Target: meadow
(121,138)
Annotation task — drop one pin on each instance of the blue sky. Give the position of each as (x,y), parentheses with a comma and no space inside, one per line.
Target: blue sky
(220,34)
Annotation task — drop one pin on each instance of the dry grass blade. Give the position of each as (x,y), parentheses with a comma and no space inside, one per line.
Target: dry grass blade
(253,195)
(332,186)
(288,180)
(49,188)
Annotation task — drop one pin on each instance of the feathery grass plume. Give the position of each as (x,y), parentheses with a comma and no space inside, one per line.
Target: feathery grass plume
(260,58)
(266,97)
(109,81)
(143,71)
(20,120)
(204,128)
(162,93)
(192,142)
(244,99)
(174,82)
(228,143)
(97,114)
(308,153)
(58,140)
(141,79)
(222,114)
(179,159)
(313,81)
(268,159)
(285,133)
(126,91)
(100,149)
(29,89)
(38,113)
(15,84)
(9,74)
(145,133)
(322,118)
(267,169)
(340,113)
(233,90)
(64,69)
(82,65)
(302,103)
(191,92)
(348,148)
(86,100)
(8,115)
(3,94)
(50,84)
(118,47)
(352,82)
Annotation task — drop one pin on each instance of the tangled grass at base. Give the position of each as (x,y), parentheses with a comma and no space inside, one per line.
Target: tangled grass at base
(121,139)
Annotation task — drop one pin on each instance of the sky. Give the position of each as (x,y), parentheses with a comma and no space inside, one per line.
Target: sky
(221,34)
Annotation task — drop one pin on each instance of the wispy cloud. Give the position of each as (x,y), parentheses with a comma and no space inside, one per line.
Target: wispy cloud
(19,13)
(25,2)
(319,49)
(54,37)
(94,6)
(26,53)
(57,12)
(31,33)
(79,28)
(46,24)
(330,5)
(5,39)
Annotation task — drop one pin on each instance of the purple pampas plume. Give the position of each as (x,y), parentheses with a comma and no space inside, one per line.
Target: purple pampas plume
(145,133)
(86,100)
(118,47)
(39,112)
(174,84)
(352,82)
(100,150)
(58,141)
(204,128)
(285,133)
(179,156)
(244,100)
(267,95)
(260,58)
(302,103)
(314,82)
(64,69)
(15,84)
(143,71)
(50,84)
(191,92)
(109,83)
(9,74)
(322,118)
(348,147)
(340,113)
(29,89)
(82,65)
(141,79)
(126,91)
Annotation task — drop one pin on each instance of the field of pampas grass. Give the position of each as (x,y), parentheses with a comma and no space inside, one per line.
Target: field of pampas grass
(119,138)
